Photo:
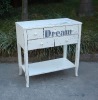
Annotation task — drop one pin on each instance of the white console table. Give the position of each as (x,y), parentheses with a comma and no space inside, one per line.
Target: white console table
(38,34)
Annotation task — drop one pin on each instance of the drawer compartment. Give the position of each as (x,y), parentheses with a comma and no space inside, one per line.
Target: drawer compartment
(48,32)
(40,43)
(56,31)
(34,34)
(74,29)
(72,39)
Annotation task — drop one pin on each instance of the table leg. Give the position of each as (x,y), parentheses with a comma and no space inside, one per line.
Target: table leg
(77,57)
(26,67)
(19,59)
(65,51)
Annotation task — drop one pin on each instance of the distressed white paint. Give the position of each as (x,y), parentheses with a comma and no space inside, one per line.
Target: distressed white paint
(20,35)
(19,58)
(65,40)
(74,28)
(40,43)
(47,23)
(35,34)
(77,56)
(49,66)
(30,36)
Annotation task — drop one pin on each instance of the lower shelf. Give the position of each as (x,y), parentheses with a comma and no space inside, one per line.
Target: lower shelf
(49,66)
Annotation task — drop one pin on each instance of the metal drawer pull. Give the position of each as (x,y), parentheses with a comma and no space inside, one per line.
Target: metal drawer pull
(35,34)
(41,43)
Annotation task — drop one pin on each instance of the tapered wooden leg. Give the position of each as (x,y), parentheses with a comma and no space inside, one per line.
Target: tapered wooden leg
(19,59)
(77,57)
(26,67)
(65,51)
(27,80)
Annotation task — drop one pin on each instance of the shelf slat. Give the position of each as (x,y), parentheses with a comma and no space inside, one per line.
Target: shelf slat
(49,66)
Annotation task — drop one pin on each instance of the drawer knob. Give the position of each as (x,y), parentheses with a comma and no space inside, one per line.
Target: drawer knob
(35,34)
(41,43)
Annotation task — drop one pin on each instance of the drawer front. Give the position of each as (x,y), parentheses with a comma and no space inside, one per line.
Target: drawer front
(48,32)
(72,39)
(34,34)
(40,43)
(54,31)
(73,29)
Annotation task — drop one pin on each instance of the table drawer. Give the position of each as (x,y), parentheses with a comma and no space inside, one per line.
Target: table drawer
(56,31)
(73,28)
(40,43)
(72,39)
(34,34)
(48,32)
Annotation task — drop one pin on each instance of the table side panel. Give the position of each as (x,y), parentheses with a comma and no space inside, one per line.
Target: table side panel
(20,36)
